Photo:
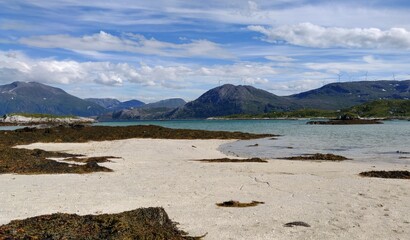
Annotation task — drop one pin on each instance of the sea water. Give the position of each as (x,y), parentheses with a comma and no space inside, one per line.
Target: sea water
(388,142)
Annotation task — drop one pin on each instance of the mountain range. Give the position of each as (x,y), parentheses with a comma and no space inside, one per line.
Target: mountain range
(229,99)
(144,112)
(223,100)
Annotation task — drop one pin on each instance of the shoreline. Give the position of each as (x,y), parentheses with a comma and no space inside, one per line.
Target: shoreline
(330,197)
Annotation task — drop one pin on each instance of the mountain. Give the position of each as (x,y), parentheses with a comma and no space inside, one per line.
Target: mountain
(147,111)
(114,104)
(108,103)
(229,99)
(33,97)
(335,96)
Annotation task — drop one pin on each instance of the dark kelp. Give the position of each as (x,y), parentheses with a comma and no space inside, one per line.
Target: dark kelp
(230,160)
(101,159)
(238,204)
(296,224)
(345,122)
(143,223)
(387,174)
(318,157)
(25,161)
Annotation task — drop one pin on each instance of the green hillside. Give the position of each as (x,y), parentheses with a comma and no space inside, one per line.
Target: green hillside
(383,108)
(374,109)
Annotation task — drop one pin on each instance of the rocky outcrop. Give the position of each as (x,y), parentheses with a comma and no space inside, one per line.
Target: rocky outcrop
(28,120)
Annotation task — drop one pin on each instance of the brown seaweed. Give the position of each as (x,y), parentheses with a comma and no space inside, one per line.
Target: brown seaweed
(318,157)
(230,160)
(387,174)
(296,224)
(345,122)
(143,223)
(238,204)
(25,161)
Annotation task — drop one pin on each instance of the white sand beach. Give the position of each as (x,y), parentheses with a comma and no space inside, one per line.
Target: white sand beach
(330,196)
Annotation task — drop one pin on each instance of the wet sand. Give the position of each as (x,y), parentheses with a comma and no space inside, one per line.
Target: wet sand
(329,196)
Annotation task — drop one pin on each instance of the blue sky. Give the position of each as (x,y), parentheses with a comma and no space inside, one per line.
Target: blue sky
(152,50)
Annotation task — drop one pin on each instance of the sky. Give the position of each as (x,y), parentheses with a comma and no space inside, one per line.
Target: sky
(159,49)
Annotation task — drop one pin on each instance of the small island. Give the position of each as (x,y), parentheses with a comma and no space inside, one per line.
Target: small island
(346,119)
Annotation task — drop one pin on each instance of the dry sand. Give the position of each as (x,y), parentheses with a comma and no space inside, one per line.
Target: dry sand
(329,196)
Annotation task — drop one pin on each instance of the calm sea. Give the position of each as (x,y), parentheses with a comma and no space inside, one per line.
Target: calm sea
(388,142)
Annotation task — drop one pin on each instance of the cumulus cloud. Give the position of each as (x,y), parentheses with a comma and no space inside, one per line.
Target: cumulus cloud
(132,43)
(255,80)
(15,66)
(310,35)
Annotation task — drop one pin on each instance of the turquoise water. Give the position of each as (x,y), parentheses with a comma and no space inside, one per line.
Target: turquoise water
(388,142)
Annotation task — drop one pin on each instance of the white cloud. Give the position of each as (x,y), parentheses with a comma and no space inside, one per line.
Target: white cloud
(15,66)
(310,35)
(132,43)
(255,80)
